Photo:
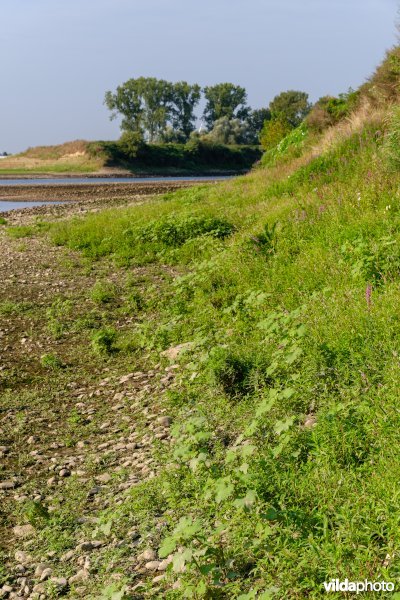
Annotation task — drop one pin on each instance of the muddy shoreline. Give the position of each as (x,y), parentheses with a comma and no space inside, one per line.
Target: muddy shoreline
(79,199)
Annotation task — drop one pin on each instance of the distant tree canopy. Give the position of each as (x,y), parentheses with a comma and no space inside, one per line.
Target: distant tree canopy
(255,122)
(147,105)
(155,110)
(292,106)
(230,131)
(225,100)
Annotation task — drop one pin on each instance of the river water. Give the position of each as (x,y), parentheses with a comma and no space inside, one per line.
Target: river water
(99,180)
(6,205)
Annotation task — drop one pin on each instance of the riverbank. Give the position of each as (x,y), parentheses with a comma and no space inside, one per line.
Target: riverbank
(67,200)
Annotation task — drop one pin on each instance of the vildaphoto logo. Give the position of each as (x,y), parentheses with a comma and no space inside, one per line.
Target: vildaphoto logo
(335,585)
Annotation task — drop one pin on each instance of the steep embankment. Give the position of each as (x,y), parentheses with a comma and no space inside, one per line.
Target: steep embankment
(200,393)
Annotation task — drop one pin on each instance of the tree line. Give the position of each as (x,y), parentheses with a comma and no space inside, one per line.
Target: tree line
(155,110)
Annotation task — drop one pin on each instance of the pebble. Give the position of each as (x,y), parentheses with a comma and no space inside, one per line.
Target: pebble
(60,582)
(22,557)
(65,473)
(81,575)
(164,563)
(40,568)
(23,531)
(67,556)
(46,574)
(165,421)
(147,555)
(152,565)
(8,485)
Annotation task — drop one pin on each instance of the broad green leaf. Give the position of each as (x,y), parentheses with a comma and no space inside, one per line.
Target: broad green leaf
(224,488)
(167,546)
(284,425)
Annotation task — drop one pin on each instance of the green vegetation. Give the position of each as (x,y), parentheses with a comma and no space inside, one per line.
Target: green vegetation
(282,289)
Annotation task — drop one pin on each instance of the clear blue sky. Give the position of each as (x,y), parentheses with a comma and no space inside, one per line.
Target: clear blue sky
(58,57)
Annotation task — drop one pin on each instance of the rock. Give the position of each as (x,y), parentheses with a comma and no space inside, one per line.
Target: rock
(65,473)
(81,575)
(173,352)
(152,565)
(22,557)
(159,578)
(67,556)
(8,485)
(39,588)
(24,531)
(40,568)
(147,555)
(164,563)
(104,478)
(164,421)
(59,582)
(46,574)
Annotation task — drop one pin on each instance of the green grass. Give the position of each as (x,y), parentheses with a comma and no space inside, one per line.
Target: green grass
(285,467)
(283,471)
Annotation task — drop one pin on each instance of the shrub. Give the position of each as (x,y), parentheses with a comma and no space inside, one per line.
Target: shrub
(230,371)
(51,361)
(103,341)
(103,292)
(265,242)
(172,231)
(273,132)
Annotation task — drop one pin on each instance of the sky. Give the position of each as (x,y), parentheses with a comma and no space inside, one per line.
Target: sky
(58,57)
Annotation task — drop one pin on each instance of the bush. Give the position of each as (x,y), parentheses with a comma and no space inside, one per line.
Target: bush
(172,231)
(273,132)
(103,292)
(103,341)
(51,361)
(230,371)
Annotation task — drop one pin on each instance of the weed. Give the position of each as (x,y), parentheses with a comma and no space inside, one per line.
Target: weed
(103,341)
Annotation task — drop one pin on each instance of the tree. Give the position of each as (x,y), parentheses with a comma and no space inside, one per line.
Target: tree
(255,121)
(273,132)
(126,101)
(225,100)
(291,105)
(229,131)
(185,97)
(145,105)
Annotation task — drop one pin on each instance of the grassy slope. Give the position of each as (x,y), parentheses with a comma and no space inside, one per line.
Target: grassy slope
(284,470)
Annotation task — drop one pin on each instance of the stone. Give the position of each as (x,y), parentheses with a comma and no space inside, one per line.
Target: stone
(22,557)
(81,575)
(152,565)
(173,352)
(104,478)
(147,555)
(60,582)
(67,556)
(158,578)
(65,473)
(46,574)
(164,421)
(24,531)
(8,485)
(40,568)
(164,563)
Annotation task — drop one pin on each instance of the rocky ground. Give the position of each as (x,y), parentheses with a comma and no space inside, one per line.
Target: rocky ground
(77,431)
